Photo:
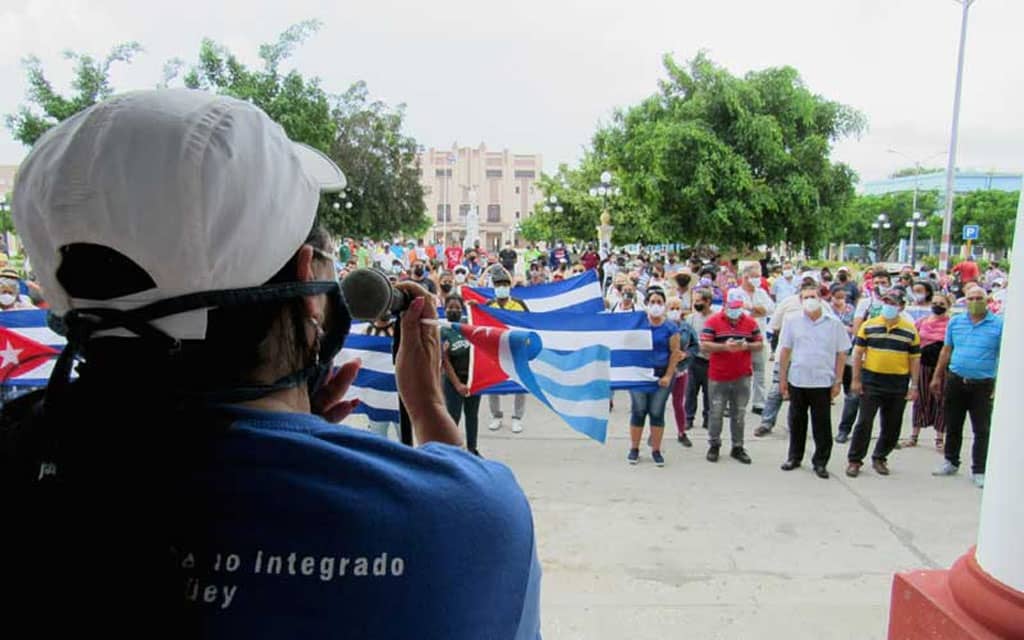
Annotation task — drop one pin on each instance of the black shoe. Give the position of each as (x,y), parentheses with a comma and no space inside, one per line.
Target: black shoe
(684,440)
(475,453)
(713,454)
(821,472)
(761,431)
(842,436)
(789,465)
(739,454)
(758,410)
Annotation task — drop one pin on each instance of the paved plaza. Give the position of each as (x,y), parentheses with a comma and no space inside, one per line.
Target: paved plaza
(701,550)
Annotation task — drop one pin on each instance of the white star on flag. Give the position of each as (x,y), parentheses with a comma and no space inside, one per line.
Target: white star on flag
(10,356)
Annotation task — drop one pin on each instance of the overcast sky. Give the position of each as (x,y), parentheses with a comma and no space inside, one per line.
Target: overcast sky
(538,76)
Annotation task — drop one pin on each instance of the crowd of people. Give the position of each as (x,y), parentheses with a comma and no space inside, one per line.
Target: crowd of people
(728,335)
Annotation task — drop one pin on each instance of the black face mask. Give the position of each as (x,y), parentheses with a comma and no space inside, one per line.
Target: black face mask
(699,306)
(446,286)
(453,316)
(938,309)
(843,277)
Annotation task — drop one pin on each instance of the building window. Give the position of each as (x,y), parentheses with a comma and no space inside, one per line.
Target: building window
(463,210)
(441,173)
(517,215)
(517,189)
(443,209)
(522,173)
(494,213)
(494,173)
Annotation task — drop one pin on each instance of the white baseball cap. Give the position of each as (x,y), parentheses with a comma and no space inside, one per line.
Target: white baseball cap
(203,192)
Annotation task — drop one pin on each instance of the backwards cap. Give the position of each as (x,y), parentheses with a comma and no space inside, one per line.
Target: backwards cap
(202,192)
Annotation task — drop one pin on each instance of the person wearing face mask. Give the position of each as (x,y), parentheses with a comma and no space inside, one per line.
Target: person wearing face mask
(729,337)
(559,255)
(927,409)
(920,305)
(966,374)
(456,349)
(419,276)
(446,284)
(196,282)
(460,276)
(10,292)
(698,374)
(785,286)
(758,305)
(689,344)
(667,354)
(683,280)
(502,282)
(812,356)
(628,302)
(716,294)
(998,296)
(453,256)
(886,366)
(844,281)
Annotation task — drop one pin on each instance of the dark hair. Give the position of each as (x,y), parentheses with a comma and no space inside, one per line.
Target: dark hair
(122,432)
(881,273)
(929,287)
(454,296)
(654,291)
(810,286)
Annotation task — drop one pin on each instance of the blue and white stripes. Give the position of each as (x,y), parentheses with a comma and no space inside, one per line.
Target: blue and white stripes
(375,384)
(580,294)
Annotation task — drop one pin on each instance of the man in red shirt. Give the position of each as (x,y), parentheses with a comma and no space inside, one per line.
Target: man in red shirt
(968,270)
(728,338)
(453,257)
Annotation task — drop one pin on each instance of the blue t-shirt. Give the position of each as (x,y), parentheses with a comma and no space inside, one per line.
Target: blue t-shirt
(661,335)
(322,531)
(975,346)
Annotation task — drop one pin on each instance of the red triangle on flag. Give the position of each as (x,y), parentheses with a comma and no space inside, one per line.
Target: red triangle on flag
(20,355)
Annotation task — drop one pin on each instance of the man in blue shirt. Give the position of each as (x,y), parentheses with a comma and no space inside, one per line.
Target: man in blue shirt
(971,353)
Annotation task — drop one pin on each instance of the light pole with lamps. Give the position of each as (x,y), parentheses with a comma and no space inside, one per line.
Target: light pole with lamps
(605,191)
(917,173)
(914,224)
(882,222)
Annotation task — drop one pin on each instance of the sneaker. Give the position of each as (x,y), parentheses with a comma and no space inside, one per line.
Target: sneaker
(979,480)
(495,424)
(946,469)
(853,469)
(684,440)
(758,410)
(659,460)
(713,453)
(762,431)
(517,425)
(842,436)
(634,456)
(880,467)
(739,454)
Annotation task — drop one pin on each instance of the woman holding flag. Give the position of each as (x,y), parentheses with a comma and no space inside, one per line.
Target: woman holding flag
(455,350)
(665,344)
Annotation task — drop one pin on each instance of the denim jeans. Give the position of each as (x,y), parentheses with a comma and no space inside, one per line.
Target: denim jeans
(736,394)
(773,403)
(649,403)
(758,360)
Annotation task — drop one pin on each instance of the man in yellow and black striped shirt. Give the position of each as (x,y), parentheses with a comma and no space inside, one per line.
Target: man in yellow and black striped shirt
(886,365)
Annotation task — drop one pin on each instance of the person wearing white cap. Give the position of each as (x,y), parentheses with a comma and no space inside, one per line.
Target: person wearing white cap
(194,463)
(729,337)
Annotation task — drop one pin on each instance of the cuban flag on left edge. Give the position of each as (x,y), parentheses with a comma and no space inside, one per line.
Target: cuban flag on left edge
(28,348)
(575,385)
(580,294)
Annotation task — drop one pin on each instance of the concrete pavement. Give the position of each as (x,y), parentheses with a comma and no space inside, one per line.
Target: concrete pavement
(725,550)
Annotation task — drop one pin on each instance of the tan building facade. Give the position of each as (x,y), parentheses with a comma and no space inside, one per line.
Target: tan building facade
(502,186)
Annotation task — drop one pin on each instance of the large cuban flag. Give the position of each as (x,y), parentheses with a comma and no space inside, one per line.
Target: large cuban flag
(574,385)
(375,384)
(581,294)
(626,335)
(28,348)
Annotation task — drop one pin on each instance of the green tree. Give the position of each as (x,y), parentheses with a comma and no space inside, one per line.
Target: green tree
(994,211)
(717,159)
(91,83)
(382,167)
(854,223)
(910,171)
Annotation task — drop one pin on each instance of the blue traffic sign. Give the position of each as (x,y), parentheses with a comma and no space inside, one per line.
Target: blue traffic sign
(971,231)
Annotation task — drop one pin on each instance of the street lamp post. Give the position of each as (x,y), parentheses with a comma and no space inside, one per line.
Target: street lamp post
(947,219)
(882,222)
(917,172)
(914,224)
(606,192)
